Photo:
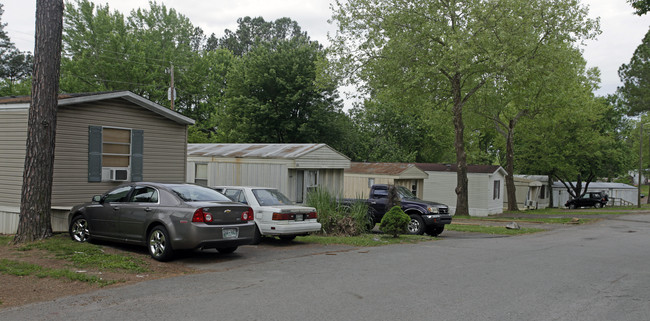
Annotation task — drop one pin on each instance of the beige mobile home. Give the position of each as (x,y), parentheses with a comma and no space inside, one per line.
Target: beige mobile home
(529,194)
(485,187)
(360,176)
(102,140)
(294,169)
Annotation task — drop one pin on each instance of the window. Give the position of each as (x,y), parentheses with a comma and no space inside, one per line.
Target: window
(311,180)
(115,154)
(144,194)
(116,147)
(371,181)
(201,174)
(381,193)
(117,195)
(236,195)
(497,190)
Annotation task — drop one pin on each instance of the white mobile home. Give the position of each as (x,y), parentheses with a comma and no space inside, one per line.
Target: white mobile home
(294,169)
(619,193)
(361,176)
(486,187)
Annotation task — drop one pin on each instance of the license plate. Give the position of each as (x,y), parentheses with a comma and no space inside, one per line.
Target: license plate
(230,233)
(300,217)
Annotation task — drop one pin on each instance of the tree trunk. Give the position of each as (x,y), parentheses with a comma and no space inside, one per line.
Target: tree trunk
(550,190)
(36,196)
(510,168)
(462,201)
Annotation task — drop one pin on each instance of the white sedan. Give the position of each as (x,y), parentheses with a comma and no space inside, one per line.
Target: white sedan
(275,214)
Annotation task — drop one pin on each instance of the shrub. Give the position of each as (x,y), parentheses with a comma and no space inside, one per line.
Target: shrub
(335,218)
(395,222)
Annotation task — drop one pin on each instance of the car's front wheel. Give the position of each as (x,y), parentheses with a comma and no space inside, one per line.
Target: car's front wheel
(598,205)
(416,225)
(572,206)
(159,245)
(79,229)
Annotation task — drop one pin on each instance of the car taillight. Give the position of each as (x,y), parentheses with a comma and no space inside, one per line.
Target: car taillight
(311,215)
(247,215)
(283,216)
(201,216)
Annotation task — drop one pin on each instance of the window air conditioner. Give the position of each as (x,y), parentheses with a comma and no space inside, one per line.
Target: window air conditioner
(531,203)
(119,175)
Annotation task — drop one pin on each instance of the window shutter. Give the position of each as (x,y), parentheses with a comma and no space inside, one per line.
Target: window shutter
(137,147)
(94,154)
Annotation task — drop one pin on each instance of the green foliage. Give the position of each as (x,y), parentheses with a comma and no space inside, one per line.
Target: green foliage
(335,218)
(15,65)
(641,6)
(273,96)
(252,32)
(395,222)
(635,76)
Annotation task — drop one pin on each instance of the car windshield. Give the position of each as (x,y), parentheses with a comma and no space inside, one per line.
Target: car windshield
(266,197)
(194,193)
(405,193)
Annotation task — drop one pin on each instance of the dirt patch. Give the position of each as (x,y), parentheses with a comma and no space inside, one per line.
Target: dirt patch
(20,290)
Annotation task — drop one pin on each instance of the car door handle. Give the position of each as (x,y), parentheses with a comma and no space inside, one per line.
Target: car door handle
(116,208)
(373,203)
(147,209)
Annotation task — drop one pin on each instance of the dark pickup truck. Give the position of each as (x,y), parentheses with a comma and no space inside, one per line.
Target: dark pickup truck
(426,217)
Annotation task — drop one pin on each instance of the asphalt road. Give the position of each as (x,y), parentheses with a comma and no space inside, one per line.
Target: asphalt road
(589,272)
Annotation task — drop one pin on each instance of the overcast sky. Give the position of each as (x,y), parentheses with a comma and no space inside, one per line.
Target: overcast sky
(622,30)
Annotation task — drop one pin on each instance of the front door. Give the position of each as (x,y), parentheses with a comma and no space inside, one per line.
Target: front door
(103,219)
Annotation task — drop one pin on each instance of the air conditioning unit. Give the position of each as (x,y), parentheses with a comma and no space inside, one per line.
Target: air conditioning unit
(531,203)
(119,175)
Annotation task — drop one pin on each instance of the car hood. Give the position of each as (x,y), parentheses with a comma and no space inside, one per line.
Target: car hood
(423,202)
(288,208)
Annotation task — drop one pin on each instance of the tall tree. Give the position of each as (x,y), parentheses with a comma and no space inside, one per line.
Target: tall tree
(543,84)
(36,196)
(275,95)
(635,76)
(448,50)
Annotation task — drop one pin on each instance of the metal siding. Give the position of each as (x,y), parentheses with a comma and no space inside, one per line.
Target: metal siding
(13,137)
(356,185)
(164,157)
(323,157)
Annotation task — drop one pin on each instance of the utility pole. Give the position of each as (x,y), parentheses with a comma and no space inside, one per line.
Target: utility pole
(171,89)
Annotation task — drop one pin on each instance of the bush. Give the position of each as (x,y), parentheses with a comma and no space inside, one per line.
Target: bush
(335,218)
(395,222)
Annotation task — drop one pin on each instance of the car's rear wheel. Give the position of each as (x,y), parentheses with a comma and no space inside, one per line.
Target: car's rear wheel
(159,245)
(416,225)
(287,237)
(598,205)
(435,230)
(79,229)
(572,206)
(227,250)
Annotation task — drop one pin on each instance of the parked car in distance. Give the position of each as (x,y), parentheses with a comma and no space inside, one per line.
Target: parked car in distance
(426,216)
(275,214)
(591,199)
(164,218)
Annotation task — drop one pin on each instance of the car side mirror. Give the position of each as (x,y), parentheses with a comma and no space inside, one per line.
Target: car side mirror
(97,198)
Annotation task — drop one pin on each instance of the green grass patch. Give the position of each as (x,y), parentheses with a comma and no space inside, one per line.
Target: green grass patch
(85,255)
(365,239)
(582,211)
(544,220)
(16,268)
(499,230)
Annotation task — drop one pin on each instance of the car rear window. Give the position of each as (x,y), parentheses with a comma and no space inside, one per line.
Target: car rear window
(266,197)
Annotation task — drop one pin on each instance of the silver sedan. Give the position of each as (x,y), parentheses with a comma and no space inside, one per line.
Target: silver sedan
(165,218)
